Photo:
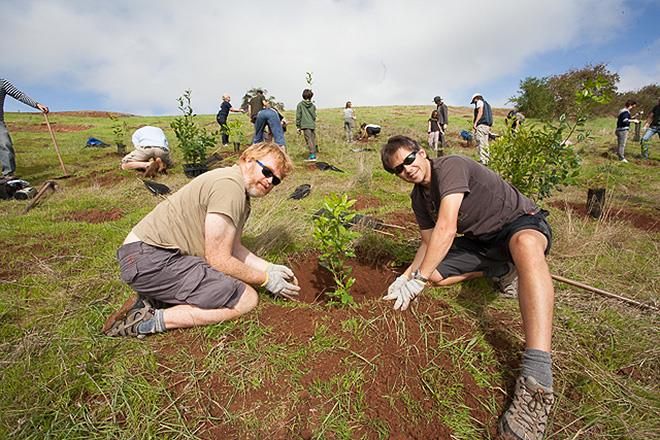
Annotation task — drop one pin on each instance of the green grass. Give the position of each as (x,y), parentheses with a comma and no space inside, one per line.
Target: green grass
(59,281)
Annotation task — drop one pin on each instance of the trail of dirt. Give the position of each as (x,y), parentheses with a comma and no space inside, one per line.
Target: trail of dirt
(638,219)
(56,126)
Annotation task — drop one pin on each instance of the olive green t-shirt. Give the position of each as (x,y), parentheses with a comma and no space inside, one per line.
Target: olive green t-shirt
(178,222)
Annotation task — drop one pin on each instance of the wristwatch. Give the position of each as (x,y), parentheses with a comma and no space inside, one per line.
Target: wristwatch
(417,275)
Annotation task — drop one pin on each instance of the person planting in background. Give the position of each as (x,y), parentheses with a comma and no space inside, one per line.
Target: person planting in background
(223,114)
(185,259)
(623,127)
(369,130)
(443,119)
(652,126)
(271,118)
(306,122)
(505,237)
(483,120)
(7,154)
(151,153)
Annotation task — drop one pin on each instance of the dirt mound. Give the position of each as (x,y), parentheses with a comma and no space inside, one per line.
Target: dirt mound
(315,281)
(102,179)
(637,219)
(56,126)
(378,372)
(95,215)
(365,202)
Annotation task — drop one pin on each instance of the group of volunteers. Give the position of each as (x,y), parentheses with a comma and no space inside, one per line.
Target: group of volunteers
(188,266)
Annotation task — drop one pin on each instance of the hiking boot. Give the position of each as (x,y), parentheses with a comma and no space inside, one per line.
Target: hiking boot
(125,321)
(311,158)
(527,416)
(507,284)
(151,170)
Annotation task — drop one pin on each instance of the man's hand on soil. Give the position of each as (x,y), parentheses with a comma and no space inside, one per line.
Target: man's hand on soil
(406,293)
(281,280)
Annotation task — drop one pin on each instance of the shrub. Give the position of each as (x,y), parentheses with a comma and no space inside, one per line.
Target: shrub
(193,139)
(335,241)
(119,130)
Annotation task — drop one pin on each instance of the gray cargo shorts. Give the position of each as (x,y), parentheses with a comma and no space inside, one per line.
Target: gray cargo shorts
(168,276)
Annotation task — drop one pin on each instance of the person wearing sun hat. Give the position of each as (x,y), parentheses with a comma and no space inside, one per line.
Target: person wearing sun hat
(481,123)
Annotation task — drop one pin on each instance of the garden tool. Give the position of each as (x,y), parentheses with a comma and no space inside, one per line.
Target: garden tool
(57,149)
(301,191)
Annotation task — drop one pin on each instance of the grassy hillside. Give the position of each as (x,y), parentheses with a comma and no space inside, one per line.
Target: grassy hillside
(443,369)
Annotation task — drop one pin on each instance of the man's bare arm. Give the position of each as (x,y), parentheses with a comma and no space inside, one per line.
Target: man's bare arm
(219,237)
(443,234)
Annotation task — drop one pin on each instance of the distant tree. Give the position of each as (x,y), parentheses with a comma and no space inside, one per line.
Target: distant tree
(566,87)
(646,98)
(549,97)
(534,98)
(253,92)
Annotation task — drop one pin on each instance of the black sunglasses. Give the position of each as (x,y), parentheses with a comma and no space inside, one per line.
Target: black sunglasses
(268,173)
(407,161)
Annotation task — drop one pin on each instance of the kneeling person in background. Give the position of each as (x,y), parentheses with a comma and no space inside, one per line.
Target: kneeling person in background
(151,153)
(187,254)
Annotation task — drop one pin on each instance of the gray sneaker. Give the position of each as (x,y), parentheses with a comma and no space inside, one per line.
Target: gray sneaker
(125,321)
(527,416)
(508,283)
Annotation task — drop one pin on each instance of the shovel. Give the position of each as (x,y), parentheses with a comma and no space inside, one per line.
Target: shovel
(57,150)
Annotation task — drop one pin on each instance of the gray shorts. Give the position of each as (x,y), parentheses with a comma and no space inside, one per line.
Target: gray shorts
(168,276)
(490,253)
(143,154)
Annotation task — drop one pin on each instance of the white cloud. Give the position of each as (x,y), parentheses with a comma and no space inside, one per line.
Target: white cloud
(140,56)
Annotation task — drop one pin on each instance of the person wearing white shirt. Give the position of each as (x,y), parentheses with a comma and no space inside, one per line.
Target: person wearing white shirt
(151,153)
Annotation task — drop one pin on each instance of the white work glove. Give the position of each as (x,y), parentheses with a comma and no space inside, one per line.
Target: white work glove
(406,293)
(280,280)
(397,284)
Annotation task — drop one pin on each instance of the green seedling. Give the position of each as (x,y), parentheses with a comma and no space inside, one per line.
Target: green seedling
(335,242)
(194,140)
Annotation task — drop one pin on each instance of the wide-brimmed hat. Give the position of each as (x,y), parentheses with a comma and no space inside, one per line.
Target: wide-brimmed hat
(475,96)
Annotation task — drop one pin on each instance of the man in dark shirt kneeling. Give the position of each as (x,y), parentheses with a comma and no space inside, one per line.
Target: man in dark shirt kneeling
(505,237)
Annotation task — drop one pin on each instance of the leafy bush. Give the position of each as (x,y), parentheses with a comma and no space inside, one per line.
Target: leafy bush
(536,160)
(535,99)
(194,140)
(335,242)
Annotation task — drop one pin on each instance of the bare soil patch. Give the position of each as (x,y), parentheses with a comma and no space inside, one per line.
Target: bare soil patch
(92,114)
(95,215)
(316,282)
(363,202)
(56,126)
(102,179)
(637,219)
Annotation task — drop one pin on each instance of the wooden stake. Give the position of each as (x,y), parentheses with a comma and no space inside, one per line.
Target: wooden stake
(603,292)
(40,195)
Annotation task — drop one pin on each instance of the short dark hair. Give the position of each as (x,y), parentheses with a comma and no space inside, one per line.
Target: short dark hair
(307,94)
(260,92)
(393,145)
(630,102)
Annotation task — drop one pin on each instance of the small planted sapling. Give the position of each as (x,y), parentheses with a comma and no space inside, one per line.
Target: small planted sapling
(119,130)
(234,129)
(194,140)
(335,241)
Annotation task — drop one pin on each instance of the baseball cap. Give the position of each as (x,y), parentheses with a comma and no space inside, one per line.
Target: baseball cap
(437,98)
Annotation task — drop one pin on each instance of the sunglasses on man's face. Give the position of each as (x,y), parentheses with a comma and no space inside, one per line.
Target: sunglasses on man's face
(407,161)
(268,173)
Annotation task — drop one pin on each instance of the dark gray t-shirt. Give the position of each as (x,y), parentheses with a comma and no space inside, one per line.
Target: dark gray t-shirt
(488,204)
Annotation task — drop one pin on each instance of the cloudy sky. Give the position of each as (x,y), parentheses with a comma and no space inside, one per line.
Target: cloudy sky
(137,56)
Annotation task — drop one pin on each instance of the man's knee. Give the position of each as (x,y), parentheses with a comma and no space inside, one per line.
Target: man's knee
(248,300)
(528,239)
